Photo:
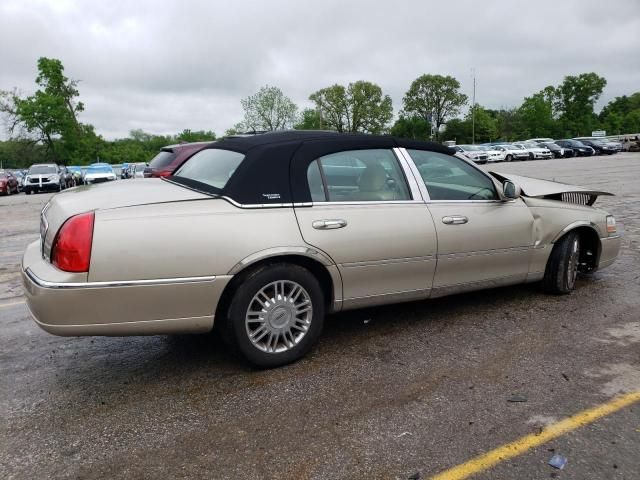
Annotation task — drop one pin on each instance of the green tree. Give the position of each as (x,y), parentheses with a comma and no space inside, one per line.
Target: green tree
(576,97)
(458,130)
(411,127)
(21,153)
(361,107)
(538,115)
(309,120)
(195,136)
(434,98)
(619,115)
(486,127)
(508,122)
(50,114)
(269,109)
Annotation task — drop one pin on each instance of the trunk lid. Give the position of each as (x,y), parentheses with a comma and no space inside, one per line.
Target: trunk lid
(104,196)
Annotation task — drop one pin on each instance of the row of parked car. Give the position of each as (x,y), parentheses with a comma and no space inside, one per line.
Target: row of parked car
(54,178)
(51,177)
(538,149)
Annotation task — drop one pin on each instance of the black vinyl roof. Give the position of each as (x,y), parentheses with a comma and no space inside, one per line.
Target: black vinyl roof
(274,169)
(244,143)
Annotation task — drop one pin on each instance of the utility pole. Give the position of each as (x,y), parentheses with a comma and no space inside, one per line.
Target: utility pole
(473,110)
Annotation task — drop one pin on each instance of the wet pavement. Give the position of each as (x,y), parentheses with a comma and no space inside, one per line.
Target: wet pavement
(391,392)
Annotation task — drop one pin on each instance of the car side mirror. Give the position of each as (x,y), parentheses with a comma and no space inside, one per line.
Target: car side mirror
(510,190)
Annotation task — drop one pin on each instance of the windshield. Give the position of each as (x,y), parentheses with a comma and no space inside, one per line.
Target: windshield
(162,159)
(42,169)
(99,169)
(472,148)
(212,167)
(74,169)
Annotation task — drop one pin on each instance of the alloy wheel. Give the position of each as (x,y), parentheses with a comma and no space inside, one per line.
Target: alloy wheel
(279,316)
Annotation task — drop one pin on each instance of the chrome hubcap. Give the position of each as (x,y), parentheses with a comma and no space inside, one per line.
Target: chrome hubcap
(279,316)
(573,263)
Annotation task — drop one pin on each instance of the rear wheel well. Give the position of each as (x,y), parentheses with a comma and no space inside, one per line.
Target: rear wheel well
(316,268)
(589,248)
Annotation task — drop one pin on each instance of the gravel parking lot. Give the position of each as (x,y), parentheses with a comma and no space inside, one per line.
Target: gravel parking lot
(403,391)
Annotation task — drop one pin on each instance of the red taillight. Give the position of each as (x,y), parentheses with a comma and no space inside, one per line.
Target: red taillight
(164,173)
(71,249)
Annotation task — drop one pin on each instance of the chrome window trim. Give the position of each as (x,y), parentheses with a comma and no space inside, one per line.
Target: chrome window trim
(116,283)
(424,193)
(375,202)
(405,167)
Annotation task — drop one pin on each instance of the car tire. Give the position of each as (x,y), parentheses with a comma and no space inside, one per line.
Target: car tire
(289,334)
(508,158)
(562,267)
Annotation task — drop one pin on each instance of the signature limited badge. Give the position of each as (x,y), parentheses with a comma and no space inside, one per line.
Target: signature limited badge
(271,196)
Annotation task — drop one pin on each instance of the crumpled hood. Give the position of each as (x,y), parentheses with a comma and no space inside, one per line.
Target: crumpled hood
(534,187)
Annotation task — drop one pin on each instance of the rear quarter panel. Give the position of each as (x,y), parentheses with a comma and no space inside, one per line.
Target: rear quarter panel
(184,239)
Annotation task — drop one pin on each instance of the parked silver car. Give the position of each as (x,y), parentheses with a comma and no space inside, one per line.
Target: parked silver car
(536,152)
(513,152)
(266,234)
(476,153)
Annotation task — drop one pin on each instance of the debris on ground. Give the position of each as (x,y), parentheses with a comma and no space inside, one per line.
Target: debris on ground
(415,476)
(565,376)
(558,461)
(403,434)
(517,398)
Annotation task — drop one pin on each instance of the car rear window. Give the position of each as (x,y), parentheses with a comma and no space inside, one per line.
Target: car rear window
(212,167)
(162,159)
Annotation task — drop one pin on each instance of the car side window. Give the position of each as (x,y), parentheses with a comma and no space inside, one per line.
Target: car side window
(450,178)
(358,176)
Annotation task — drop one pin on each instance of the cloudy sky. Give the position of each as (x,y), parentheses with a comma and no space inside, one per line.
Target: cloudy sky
(164,66)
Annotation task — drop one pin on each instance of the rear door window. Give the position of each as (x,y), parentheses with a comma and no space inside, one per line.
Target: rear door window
(358,176)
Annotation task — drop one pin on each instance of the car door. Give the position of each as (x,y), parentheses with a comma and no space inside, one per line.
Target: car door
(367,214)
(482,240)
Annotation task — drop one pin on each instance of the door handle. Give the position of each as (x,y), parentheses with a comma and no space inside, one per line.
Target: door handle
(454,220)
(329,224)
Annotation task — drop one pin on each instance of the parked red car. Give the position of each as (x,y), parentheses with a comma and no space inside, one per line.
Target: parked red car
(8,183)
(171,157)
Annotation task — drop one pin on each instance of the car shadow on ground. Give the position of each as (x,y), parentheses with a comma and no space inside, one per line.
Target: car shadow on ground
(108,367)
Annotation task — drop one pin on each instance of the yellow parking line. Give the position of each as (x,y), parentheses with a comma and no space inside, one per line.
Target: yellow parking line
(520,446)
(2,305)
